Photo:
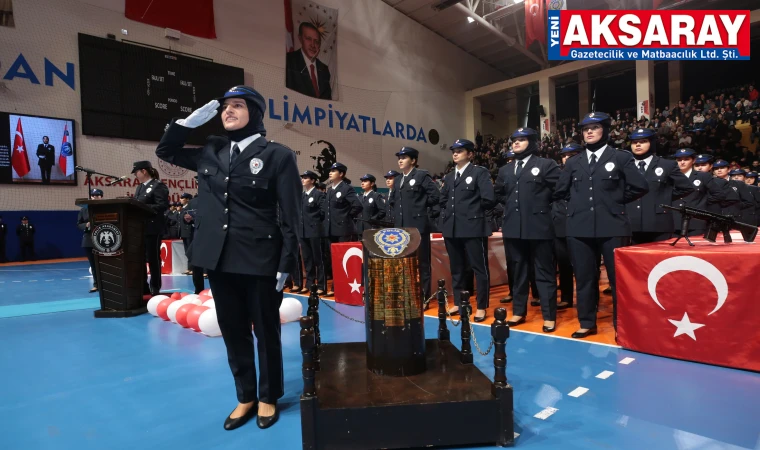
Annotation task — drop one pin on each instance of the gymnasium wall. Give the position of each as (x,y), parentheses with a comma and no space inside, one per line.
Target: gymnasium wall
(389,68)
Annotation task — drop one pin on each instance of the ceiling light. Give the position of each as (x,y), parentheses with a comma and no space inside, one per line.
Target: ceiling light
(519,1)
(470,19)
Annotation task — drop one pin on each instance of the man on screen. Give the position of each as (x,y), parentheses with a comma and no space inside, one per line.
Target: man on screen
(46,155)
(304,72)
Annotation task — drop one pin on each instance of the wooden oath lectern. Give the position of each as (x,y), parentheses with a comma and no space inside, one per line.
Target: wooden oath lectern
(118,227)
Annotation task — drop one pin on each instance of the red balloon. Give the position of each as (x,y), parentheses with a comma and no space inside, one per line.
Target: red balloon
(182,294)
(204,297)
(176,296)
(205,292)
(163,306)
(182,313)
(194,315)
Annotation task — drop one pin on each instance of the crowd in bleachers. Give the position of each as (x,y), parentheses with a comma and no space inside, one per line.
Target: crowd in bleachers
(707,124)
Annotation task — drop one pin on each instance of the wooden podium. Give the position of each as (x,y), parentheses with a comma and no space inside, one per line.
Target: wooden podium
(118,227)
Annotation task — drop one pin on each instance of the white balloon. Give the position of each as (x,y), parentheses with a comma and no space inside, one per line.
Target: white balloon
(208,324)
(290,310)
(192,298)
(153,304)
(171,312)
(210,303)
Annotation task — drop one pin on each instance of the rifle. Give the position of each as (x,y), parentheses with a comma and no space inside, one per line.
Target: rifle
(716,223)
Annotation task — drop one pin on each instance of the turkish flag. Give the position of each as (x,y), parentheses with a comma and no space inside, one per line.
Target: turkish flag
(535,22)
(166,257)
(347,269)
(193,17)
(694,303)
(19,157)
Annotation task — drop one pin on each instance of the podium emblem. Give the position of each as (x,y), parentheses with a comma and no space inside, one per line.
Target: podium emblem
(392,241)
(106,238)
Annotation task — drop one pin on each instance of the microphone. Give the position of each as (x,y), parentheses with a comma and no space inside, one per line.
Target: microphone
(118,180)
(84,169)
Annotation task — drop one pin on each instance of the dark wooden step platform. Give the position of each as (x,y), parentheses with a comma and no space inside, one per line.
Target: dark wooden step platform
(449,404)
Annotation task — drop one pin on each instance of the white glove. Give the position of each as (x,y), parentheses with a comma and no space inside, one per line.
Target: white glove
(200,115)
(281,278)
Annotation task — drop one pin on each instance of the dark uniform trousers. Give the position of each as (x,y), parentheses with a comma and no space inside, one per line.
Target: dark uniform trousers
(82,218)
(526,188)
(597,222)
(242,300)
(311,250)
(296,276)
(26,242)
(561,253)
(156,195)
(414,198)
(464,201)
(3,234)
(244,238)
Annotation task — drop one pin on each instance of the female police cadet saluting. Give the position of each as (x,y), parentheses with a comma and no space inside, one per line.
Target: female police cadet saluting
(246,246)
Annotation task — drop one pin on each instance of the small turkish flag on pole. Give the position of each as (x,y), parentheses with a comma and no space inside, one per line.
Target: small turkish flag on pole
(19,158)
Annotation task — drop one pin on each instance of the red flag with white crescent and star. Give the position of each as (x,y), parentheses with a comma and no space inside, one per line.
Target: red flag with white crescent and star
(19,157)
(535,22)
(693,303)
(347,269)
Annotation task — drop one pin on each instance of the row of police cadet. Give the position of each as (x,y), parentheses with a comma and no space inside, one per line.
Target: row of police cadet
(565,217)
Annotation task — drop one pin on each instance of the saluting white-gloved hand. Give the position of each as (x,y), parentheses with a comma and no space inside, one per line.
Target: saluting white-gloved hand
(281,278)
(200,115)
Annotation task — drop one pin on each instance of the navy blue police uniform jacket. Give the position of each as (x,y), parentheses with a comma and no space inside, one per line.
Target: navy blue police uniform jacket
(343,206)
(666,183)
(313,211)
(464,203)
(596,200)
(411,201)
(238,228)
(527,198)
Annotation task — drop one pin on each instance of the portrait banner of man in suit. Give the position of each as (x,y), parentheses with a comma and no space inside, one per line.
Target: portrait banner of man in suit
(311,49)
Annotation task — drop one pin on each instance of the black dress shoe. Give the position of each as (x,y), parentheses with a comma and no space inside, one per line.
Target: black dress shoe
(231,424)
(535,302)
(563,305)
(581,335)
(266,422)
(94,289)
(507,299)
(550,329)
(513,323)
(480,319)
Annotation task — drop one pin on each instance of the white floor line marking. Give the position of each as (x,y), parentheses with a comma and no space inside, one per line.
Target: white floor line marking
(32,281)
(65,279)
(17,282)
(545,413)
(604,375)
(49,280)
(577,392)
(627,361)
(517,435)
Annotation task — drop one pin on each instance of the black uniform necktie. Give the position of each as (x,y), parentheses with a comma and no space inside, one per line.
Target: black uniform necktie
(592,163)
(642,167)
(519,168)
(235,154)
(456,177)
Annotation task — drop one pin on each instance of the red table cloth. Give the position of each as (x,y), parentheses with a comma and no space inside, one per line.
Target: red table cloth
(694,303)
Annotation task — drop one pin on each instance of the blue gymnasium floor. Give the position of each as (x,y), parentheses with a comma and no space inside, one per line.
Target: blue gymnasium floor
(73,382)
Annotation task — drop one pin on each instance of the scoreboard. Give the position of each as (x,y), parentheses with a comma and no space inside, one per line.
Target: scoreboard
(130,91)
